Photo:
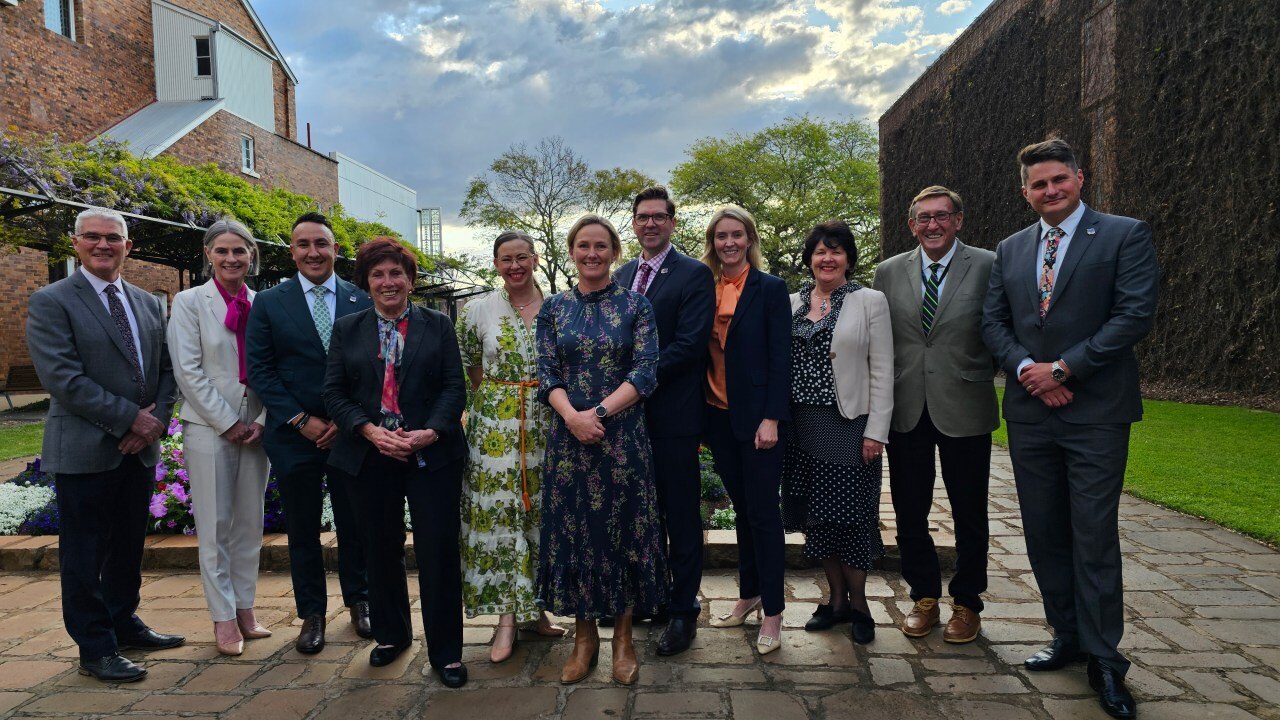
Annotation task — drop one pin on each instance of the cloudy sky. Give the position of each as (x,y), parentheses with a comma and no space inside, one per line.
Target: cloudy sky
(430,93)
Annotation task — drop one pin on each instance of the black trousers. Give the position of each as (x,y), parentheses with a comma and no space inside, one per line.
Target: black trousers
(966,473)
(678,480)
(303,501)
(102,526)
(383,487)
(753,478)
(1069,479)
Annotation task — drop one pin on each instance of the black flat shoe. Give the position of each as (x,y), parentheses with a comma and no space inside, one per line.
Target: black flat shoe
(824,618)
(1056,656)
(864,627)
(113,669)
(678,636)
(1113,696)
(454,677)
(150,640)
(382,656)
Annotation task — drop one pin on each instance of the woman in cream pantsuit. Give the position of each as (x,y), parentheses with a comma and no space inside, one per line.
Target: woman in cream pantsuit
(222,431)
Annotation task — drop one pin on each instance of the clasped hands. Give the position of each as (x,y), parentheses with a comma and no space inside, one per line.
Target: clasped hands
(585,426)
(243,434)
(398,443)
(1037,378)
(146,429)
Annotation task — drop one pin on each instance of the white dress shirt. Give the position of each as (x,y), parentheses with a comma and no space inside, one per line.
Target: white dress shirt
(330,297)
(100,287)
(925,262)
(1067,226)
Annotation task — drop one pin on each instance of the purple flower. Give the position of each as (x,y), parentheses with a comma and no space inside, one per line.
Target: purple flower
(182,475)
(175,427)
(157,506)
(179,492)
(171,524)
(188,531)
(161,472)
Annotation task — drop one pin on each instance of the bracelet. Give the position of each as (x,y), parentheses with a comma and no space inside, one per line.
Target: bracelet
(302,421)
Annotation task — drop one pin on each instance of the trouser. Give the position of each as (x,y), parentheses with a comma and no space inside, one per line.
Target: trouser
(752,478)
(1069,479)
(102,525)
(677,477)
(303,500)
(966,471)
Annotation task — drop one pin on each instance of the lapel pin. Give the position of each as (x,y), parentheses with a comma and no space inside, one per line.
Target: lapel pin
(1091,231)
(351,299)
(664,271)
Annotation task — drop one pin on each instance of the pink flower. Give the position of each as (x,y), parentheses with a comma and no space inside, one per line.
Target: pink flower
(175,427)
(157,506)
(182,475)
(179,492)
(161,472)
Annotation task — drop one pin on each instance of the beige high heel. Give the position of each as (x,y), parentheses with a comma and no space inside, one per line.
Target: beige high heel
(231,647)
(731,620)
(249,626)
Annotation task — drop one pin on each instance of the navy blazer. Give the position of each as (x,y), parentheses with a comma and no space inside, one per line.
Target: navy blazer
(757,355)
(1103,303)
(432,389)
(285,360)
(683,295)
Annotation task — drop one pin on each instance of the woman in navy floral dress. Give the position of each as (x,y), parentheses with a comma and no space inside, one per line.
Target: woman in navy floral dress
(600,554)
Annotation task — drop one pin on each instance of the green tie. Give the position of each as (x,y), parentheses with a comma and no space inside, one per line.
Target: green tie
(320,313)
(930,305)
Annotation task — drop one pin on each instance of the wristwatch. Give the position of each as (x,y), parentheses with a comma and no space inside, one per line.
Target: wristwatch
(601,411)
(1059,374)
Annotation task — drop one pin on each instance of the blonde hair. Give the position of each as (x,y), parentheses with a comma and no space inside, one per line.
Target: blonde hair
(731,212)
(593,219)
(227,225)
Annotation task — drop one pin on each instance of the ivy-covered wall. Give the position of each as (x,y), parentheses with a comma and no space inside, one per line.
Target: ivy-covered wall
(1173,107)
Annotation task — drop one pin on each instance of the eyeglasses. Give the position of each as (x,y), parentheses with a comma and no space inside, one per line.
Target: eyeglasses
(941,217)
(95,238)
(659,218)
(508,261)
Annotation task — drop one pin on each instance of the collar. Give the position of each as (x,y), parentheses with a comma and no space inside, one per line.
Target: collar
(331,284)
(925,262)
(655,262)
(1068,226)
(100,285)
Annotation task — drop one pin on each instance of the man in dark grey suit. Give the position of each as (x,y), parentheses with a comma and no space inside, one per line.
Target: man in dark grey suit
(944,403)
(98,346)
(285,347)
(1069,298)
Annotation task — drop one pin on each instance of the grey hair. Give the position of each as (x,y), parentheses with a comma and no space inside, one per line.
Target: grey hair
(105,214)
(223,226)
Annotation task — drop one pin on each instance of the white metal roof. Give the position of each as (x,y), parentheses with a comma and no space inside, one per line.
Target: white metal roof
(151,130)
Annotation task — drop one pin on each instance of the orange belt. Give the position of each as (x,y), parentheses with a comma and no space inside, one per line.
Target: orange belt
(524,385)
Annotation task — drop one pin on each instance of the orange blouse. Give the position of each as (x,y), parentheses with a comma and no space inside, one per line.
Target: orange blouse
(728,290)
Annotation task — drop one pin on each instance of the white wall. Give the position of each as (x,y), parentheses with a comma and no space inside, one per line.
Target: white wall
(367,194)
(174,33)
(244,79)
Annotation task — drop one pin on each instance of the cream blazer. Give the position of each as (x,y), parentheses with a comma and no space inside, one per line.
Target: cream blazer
(205,362)
(862,359)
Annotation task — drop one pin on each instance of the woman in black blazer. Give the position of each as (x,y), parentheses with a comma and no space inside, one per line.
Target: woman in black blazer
(748,392)
(394,387)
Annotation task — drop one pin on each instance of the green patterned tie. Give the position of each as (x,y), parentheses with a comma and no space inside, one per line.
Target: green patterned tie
(320,313)
(930,305)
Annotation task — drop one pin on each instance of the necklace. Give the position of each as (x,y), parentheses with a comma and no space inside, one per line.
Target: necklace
(824,306)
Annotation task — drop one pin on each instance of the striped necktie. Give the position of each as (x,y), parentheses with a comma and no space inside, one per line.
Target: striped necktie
(930,305)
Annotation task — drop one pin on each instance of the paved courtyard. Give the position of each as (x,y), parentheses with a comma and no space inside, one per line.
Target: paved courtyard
(1203,632)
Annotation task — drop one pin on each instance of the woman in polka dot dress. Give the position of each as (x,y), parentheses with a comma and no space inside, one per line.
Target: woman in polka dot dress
(841,403)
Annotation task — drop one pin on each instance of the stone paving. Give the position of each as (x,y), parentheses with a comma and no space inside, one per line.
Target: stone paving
(1203,632)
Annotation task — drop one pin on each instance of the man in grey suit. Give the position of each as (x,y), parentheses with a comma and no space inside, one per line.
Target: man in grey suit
(98,346)
(944,402)
(1069,298)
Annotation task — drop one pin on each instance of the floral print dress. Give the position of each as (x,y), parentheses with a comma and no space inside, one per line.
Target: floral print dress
(600,535)
(499,535)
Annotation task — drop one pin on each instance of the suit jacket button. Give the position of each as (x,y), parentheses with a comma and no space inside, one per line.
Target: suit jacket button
(833,355)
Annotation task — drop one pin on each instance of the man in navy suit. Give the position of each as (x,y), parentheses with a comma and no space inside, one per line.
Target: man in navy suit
(286,345)
(682,292)
(1069,298)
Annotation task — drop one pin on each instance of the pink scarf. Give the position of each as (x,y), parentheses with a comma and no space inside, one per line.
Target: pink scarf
(236,321)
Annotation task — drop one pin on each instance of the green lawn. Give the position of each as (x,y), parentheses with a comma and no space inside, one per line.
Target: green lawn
(20,440)
(1219,463)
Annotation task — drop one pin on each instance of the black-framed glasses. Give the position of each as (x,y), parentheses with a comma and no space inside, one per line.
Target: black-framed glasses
(942,217)
(94,238)
(660,218)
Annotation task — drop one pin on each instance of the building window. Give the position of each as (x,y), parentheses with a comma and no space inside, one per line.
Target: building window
(59,17)
(246,154)
(204,61)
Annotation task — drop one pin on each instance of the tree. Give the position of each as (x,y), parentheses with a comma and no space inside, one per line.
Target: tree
(541,190)
(791,177)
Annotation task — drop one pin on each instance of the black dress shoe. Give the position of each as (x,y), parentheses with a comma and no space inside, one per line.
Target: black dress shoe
(360,619)
(454,677)
(382,656)
(679,634)
(311,637)
(824,618)
(150,640)
(113,669)
(864,627)
(1113,696)
(1055,657)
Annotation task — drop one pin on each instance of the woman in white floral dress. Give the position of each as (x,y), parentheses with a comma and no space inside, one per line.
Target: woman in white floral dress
(507,432)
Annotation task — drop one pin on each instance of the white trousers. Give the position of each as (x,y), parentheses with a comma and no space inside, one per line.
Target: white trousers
(227,486)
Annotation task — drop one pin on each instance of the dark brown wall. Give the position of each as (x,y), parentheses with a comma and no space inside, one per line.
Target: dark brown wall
(1173,109)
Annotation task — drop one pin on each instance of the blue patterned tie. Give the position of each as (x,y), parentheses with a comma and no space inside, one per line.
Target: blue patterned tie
(121,319)
(320,313)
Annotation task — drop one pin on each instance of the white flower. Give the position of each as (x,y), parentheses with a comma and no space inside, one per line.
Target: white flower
(18,502)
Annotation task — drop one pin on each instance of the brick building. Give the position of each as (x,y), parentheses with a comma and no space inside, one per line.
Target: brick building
(200,80)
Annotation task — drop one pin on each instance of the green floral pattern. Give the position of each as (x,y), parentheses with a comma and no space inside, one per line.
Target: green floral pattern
(499,538)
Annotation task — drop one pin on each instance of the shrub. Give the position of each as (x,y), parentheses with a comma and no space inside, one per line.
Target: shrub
(724,519)
(17,502)
(712,487)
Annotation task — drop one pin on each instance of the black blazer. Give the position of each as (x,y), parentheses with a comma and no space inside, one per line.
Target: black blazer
(683,295)
(432,390)
(757,355)
(285,361)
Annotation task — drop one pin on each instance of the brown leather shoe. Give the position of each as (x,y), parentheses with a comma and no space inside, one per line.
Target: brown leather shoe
(963,626)
(625,666)
(311,637)
(586,652)
(920,621)
(360,619)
